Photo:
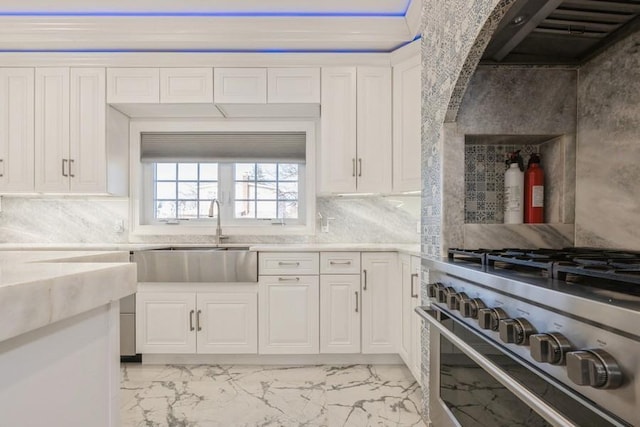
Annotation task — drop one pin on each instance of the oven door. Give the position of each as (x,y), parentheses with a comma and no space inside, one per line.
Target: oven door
(474,381)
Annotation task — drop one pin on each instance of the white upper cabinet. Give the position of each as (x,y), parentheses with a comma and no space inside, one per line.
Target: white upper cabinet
(52,130)
(186,85)
(133,85)
(87,138)
(293,85)
(407,125)
(355,149)
(70,151)
(338,130)
(240,85)
(16,129)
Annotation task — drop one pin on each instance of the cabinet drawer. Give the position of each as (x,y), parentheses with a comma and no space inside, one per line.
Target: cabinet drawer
(133,85)
(340,263)
(186,85)
(286,263)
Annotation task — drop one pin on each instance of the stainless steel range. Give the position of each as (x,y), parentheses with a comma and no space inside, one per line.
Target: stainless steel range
(534,337)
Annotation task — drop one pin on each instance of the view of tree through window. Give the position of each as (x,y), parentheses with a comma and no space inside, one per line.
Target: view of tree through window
(184,190)
(266,190)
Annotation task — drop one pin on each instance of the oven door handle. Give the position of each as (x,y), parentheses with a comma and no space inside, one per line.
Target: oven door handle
(533,401)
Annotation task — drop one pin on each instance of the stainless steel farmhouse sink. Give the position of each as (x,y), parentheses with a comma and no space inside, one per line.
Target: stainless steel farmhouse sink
(197,264)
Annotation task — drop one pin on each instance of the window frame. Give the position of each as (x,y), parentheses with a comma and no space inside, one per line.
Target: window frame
(142,179)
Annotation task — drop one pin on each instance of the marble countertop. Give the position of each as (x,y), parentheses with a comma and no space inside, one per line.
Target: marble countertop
(340,247)
(38,288)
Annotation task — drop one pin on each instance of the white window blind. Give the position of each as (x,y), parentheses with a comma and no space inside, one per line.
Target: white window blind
(287,147)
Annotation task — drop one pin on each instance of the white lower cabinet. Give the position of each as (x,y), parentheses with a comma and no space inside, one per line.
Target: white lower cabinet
(289,314)
(223,321)
(380,302)
(340,313)
(409,347)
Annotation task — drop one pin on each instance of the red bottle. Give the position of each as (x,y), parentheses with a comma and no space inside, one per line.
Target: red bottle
(534,192)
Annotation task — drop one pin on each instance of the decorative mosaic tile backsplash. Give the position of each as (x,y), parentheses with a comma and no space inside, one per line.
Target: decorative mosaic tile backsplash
(484,167)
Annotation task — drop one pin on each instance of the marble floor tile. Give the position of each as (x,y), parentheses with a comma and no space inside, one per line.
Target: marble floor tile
(214,395)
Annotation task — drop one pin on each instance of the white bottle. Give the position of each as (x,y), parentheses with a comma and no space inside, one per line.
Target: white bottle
(514,191)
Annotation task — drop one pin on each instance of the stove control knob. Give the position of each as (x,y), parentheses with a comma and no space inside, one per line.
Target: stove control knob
(433,288)
(443,294)
(595,368)
(516,331)
(469,306)
(489,318)
(453,300)
(549,348)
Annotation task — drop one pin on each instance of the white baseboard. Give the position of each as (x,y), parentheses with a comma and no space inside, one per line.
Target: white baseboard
(257,359)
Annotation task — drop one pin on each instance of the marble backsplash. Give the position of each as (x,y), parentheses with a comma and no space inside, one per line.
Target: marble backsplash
(99,220)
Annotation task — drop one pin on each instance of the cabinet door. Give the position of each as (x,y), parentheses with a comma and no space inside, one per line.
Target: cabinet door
(165,322)
(16,129)
(289,314)
(405,346)
(293,85)
(52,130)
(87,147)
(374,130)
(340,313)
(133,85)
(338,130)
(240,85)
(407,125)
(380,302)
(227,322)
(186,85)
(416,322)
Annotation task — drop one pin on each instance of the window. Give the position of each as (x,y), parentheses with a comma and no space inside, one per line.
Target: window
(257,191)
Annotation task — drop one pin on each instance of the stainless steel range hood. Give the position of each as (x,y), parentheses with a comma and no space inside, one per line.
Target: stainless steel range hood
(560,31)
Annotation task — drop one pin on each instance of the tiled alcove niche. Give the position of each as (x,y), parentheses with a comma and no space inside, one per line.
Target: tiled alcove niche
(484,167)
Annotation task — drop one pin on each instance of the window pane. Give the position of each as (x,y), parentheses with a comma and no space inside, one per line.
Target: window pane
(188,190)
(245,209)
(203,209)
(165,171)
(187,209)
(188,171)
(208,190)
(208,171)
(266,190)
(266,210)
(165,190)
(266,171)
(288,172)
(245,190)
(288,191)
(245,171)
(165,210)
(289,209)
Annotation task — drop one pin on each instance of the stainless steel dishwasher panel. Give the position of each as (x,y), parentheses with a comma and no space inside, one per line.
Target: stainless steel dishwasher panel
(194,265)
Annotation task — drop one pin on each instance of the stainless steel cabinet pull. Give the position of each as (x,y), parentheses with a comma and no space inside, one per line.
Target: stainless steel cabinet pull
(364,277)
(191,328)
(413,276)
(360,164)
(71,163)
(198,320)
(340,262)
(288,279)
(289,263)
(64,162)
(353,167)
(2,163)
(356,301)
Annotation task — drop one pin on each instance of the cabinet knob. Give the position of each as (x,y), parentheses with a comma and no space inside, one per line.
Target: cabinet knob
(549,348)
(595,368)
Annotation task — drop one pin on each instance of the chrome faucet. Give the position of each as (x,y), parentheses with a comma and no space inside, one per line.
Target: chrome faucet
(219,235)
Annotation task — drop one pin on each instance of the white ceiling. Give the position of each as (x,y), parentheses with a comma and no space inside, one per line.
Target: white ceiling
(208,25)
(211,6)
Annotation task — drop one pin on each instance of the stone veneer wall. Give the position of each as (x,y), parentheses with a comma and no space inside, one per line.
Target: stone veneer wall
(390,219)
(608,162)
